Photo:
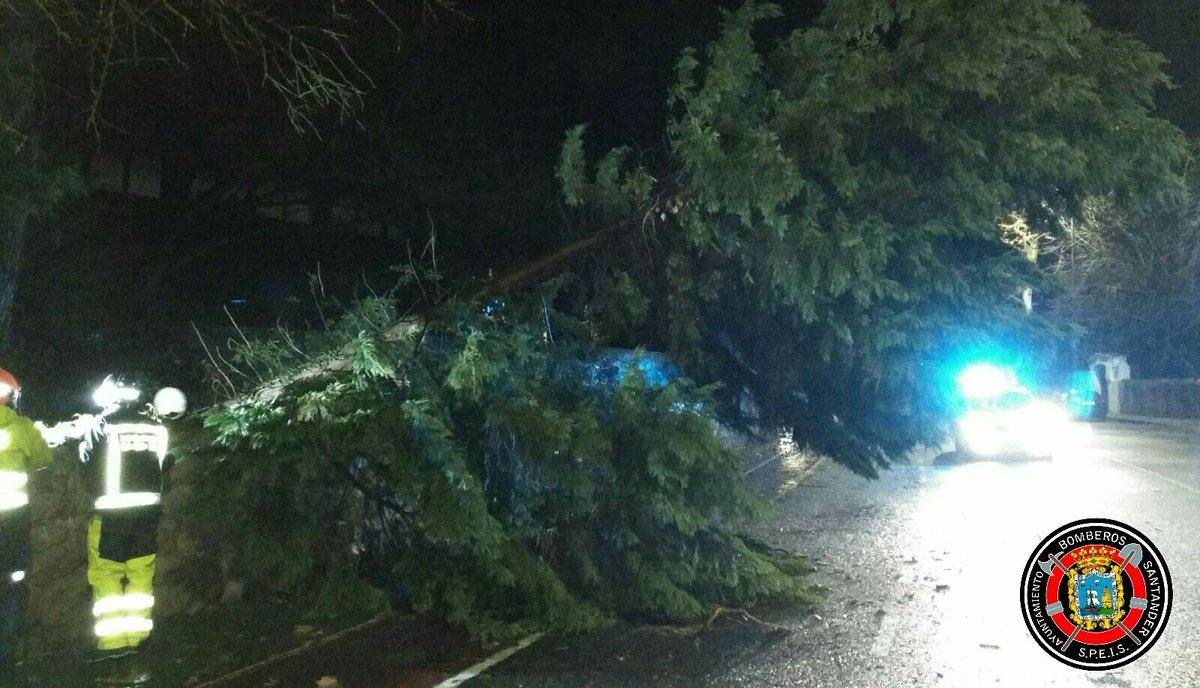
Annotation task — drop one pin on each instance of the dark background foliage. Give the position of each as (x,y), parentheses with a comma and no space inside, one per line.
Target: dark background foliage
(458,137)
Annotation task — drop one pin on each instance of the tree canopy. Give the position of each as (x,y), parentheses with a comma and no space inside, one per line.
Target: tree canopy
(826,231)
(219,102)
(821,235)
(1131,278)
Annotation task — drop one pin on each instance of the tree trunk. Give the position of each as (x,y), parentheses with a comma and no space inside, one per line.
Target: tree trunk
(10,271)
(520,276)
(20,41)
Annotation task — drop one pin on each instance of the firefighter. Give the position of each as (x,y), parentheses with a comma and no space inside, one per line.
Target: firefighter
(22,451)
(126,449)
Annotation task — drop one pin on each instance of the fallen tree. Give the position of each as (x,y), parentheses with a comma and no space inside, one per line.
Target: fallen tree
(823,232)
(482,475)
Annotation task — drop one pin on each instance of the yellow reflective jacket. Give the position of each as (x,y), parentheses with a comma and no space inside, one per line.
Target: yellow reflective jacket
(22,447)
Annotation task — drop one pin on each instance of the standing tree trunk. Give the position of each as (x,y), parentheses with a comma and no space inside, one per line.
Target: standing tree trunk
(15,222)
(21,187)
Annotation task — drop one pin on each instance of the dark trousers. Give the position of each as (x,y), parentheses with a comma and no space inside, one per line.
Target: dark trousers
(14,556)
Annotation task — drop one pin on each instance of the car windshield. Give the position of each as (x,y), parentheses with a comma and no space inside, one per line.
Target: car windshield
(1007,400)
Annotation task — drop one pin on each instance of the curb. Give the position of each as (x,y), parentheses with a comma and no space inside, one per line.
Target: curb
(1177,423)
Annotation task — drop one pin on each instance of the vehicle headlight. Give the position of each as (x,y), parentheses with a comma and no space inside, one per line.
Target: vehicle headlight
(1044,427)
(980,434)
(1045,416)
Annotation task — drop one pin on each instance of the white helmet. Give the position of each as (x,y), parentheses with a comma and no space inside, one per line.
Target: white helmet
(170,402)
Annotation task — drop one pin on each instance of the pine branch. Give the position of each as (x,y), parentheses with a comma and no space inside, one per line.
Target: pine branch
(521,276)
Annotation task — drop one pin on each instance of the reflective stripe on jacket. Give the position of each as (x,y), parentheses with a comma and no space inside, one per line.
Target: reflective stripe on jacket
(129,457)
(22,450)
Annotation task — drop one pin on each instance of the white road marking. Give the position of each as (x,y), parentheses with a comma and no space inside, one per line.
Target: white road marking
(1156,474)
(753,469)
(293,652)
(477,669)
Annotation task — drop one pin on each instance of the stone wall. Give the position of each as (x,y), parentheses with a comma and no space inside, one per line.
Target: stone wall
(1160,398)
(58,613)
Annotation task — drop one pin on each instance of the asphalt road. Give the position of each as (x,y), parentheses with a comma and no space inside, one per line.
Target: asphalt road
(924,568)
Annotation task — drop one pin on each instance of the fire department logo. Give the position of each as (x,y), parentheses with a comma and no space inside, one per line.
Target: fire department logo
(1096,594)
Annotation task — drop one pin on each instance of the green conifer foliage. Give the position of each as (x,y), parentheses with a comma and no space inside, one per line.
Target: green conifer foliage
(830,233)
(482,475)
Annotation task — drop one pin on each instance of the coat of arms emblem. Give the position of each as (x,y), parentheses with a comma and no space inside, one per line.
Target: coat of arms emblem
(1096,594)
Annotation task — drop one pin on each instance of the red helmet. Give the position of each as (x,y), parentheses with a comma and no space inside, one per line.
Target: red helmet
(9,387)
